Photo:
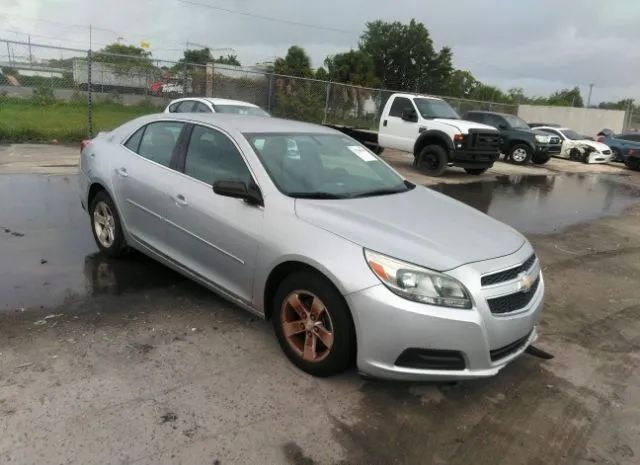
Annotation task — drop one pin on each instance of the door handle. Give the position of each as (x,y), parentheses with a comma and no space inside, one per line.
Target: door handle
(384,123)
(122,172)
(180,200)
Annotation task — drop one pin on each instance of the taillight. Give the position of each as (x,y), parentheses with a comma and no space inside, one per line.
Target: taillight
(84,143)
(632,152)
(600,139)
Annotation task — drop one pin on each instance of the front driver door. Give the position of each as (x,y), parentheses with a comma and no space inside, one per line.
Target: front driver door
(142,178)
(214,236)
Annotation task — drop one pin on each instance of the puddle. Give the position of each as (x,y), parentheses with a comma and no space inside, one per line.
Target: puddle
(47,252)
(546,204)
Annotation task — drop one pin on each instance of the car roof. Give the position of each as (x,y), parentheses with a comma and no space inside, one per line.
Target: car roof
(241,123)
(555,128)
(402,94)
(216,101)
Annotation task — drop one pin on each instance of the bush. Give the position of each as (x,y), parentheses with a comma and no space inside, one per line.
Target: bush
(43,96)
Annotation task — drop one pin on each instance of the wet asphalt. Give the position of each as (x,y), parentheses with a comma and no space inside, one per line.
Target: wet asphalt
(125,361)
(48,255)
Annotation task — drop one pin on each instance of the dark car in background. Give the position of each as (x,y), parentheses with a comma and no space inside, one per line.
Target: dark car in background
(622,145)
(519,142)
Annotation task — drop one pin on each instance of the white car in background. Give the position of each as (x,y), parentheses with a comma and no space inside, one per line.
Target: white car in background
(577,147)
(213,105)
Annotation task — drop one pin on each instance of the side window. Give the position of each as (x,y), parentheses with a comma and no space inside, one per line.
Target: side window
(494,120)
(134,141)
(399,105)
(201,108)
(211,157)
(159,140)
(173,108)
(186,106)
(477,117)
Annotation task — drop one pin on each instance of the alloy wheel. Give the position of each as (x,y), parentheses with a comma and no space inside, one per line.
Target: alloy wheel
(307,326)
(519,155)
(104,224)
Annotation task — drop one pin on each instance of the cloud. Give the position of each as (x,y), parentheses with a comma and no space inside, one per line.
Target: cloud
(540,45)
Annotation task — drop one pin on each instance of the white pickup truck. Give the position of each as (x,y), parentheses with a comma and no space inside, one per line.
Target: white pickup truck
(433,132)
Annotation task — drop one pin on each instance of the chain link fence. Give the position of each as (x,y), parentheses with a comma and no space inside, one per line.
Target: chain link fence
(66,94)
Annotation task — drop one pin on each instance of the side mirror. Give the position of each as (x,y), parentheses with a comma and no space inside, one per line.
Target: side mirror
(503,127)
(239,190)
(410,115)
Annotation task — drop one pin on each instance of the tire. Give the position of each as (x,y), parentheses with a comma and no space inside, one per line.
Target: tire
(541,160)
(432,160)
(106,232)
(332,319)
(520,154)
(376,149)
(476,171)
(632,163)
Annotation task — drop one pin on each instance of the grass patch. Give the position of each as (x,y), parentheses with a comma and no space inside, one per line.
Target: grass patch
(22,120)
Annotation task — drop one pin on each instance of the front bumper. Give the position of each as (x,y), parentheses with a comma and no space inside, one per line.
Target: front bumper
(474,158)
(387,325)
(547,149)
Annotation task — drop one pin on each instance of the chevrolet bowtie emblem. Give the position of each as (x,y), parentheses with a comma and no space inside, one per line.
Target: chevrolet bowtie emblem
(526,281)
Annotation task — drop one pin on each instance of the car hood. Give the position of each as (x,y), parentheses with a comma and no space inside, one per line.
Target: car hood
(599,146)
(463,125)
(420,226)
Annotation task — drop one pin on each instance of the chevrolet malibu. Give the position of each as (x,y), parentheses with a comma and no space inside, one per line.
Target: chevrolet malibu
(305,227)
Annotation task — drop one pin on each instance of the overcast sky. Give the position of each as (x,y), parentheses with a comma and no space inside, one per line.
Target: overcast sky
(540,45)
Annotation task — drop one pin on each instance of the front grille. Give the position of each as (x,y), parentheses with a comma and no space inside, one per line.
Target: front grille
(431,359)
(509,349)
(483,140)
(554,140)
(512,302)
(509,274)
(606,152)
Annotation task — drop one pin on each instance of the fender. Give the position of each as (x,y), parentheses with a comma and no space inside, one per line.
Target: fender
(433,134)
(528,143)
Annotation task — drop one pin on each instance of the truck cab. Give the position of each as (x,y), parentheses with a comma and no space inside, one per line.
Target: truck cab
(435,134)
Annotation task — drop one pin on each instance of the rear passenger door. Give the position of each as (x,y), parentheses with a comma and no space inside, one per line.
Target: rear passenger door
(142,177)
(214,236)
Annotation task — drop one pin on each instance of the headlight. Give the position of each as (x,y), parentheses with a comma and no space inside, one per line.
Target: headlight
(543,139)
(416,283)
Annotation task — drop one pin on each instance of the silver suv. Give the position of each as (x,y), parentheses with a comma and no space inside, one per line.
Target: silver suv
(302,225)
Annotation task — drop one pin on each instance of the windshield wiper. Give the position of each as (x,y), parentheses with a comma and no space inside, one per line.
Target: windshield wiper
(376,192)
(315,195)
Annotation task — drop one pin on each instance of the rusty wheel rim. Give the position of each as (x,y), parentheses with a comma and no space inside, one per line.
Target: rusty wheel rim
(307,326)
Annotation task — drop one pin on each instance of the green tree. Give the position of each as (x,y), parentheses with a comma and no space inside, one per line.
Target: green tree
(404,57)
(566,98)
(353,67)
(295,63)
(124,56)
(322,74)
(228,60)
(461,84)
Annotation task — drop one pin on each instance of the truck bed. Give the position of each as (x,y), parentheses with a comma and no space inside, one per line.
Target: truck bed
(366,136)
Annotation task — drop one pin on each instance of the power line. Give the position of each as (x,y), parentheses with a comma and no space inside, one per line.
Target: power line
(266,18)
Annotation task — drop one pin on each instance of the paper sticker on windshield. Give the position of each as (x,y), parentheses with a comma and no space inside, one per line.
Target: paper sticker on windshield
(363,153)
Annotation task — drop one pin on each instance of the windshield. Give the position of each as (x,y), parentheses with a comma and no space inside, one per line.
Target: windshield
(324,166)
(241,110)
(516,123)
(572,135)
(432,108)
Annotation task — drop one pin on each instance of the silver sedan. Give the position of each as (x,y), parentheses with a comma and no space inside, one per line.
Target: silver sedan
(304,226)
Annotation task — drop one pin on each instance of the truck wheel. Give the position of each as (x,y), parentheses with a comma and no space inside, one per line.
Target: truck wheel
(541,159)
(632,163)
(376,149)
(432,160)
(520,154)
(476,171)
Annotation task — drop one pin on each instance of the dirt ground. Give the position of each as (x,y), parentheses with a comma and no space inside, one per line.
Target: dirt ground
(123,361)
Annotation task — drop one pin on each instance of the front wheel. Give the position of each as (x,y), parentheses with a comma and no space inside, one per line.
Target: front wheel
(520,154)
(105,225)
(432,160)
(476,171)
(313,324)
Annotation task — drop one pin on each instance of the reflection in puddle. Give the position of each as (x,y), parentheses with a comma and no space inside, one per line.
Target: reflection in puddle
(545,204)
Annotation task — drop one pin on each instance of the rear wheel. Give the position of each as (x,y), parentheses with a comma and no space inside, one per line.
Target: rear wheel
(432,160)
(632,163)
(313,324)
(520,154)
(105,225)
(476,171)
